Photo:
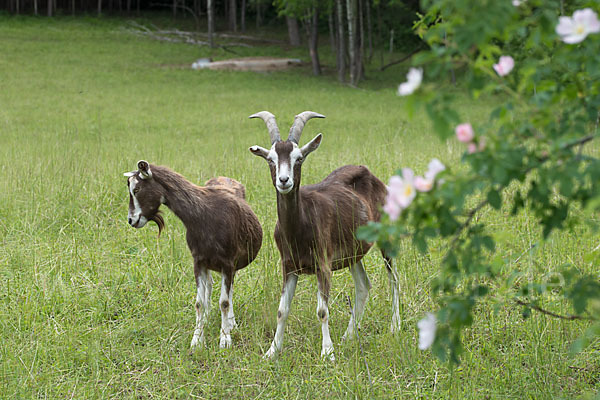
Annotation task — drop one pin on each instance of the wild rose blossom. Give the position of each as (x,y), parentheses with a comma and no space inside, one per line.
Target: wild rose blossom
(576,28)
(425,183)
(464,132)
(401,192)
(427,327)
(414,78)
(504,66)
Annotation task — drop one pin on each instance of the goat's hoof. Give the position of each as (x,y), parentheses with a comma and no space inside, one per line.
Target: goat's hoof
(327,354)
(225,341)
(349,335)
(271,354)
(197,341)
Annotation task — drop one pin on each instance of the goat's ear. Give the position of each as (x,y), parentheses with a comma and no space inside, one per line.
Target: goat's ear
(312,145)
(129,174)
(259,151)
(144,169)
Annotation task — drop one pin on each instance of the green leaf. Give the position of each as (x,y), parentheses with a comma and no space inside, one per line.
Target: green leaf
(494,198)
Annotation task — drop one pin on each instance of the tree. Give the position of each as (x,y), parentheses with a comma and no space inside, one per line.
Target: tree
(545,75)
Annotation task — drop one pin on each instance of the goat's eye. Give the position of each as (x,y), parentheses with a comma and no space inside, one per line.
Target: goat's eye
(136,190)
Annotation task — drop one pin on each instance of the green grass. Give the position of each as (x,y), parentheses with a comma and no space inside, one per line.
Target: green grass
(91,308)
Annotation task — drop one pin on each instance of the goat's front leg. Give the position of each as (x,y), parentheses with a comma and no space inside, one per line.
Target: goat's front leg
(362,285)
(395,288)
(202,305)
(287,294)
(324,282)
(226,305)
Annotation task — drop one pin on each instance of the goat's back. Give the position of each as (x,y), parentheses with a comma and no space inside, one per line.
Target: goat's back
(235,187)
(360,180)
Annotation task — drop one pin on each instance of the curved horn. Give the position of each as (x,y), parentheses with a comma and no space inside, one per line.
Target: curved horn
(271,124)
(299,122)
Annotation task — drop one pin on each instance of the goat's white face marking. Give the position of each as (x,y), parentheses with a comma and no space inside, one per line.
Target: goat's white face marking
(135,217)
(284,167)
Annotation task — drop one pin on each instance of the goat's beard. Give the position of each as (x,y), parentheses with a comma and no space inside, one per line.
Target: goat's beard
(158,219)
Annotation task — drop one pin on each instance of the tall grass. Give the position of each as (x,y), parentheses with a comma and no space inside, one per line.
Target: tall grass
(91,308)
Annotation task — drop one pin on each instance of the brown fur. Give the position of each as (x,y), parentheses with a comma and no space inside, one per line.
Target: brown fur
(223,233)
(315,231)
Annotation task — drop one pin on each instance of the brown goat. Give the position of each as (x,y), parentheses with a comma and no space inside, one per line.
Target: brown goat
(316,226)
(223,234)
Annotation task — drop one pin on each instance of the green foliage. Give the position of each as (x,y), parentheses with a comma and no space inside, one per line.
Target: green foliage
(528,157)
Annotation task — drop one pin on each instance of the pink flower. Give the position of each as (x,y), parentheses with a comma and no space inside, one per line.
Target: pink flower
(425,184)
(401,192)
(414,78)
(464,132)
(517,3)
(575,29)
(472,148)
(392,208)
(504,66)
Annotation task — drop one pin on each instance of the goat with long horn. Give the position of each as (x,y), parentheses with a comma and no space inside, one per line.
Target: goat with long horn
(316,226)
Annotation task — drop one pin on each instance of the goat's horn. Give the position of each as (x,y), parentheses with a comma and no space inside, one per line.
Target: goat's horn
(298,125)
(271,124)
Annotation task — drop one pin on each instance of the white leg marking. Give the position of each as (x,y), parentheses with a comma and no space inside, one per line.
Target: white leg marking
(395,289)
(362,285)
(323,315)
(227,318)
(282,313)
(203,291)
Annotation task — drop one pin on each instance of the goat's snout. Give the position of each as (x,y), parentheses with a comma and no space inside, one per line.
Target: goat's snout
(284,179)
(129,220)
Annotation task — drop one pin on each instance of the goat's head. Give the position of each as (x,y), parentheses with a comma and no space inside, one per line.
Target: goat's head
(145,197)
(285,158)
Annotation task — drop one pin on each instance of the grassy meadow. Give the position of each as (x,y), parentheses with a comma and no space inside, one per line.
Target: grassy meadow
(92,308)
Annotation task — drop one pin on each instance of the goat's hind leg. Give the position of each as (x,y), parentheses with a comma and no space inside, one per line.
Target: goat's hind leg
(324,282)
(202,305)
(395,289)
(226,306)
(362,285)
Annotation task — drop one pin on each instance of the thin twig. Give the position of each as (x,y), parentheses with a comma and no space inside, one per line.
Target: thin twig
(359,342)
(406,57)
(552,314)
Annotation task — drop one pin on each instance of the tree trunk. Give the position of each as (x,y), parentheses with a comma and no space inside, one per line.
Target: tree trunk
(128,7)
(243,17)
(138,8)
(17,6)
(360,47)
(50,8)
(258,15)
(35,7)
(369,31)
(351,7)
(99,7)
(312,28)
(174,8)
(380,33)
(332,31)
(341,45)
(233,15)
(293,31)
(210,11)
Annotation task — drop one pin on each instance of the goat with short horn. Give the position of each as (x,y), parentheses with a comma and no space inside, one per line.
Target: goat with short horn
(223,234)
(316,226)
